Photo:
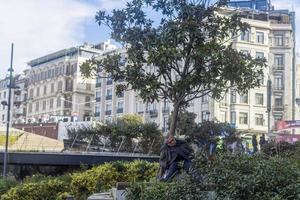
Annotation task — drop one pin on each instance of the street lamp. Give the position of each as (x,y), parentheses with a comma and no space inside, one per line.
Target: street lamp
(8,112)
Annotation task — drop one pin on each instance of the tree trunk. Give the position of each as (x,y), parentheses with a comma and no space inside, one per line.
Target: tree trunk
(174,119)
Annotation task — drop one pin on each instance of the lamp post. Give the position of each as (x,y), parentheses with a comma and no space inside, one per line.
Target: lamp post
(8,112)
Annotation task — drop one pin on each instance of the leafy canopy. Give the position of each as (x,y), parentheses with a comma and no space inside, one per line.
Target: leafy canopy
(189,54)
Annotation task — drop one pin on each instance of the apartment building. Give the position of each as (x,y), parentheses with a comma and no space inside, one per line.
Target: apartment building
(18,98)
(56,88)
(271,36)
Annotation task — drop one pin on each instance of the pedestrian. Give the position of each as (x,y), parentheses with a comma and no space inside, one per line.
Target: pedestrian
(254,144)
(173,152)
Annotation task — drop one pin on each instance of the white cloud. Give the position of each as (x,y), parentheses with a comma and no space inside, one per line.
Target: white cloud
(38,27)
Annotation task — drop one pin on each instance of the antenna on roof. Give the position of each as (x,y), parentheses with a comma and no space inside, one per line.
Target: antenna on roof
(293,5)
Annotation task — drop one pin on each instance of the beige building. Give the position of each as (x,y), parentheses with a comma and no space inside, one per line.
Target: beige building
(271,36)
(56,88)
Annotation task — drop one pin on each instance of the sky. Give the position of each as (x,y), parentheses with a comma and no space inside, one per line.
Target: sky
(40,27)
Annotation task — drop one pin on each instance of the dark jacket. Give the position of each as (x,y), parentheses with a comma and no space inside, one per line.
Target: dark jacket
(168,154)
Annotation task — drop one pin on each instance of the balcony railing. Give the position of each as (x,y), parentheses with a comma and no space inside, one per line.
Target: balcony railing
(278,108)
(97,114)
(278,88)
(108,97)
(153,113)
(98,85)
(120,110)
(165,110)
(278,67)
(98,99)
(108,112)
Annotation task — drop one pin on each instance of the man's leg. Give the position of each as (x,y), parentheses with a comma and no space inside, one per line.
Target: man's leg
(187,165)
(171,170)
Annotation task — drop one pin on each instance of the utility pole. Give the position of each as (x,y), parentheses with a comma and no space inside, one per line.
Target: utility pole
(269,94)
(8,112)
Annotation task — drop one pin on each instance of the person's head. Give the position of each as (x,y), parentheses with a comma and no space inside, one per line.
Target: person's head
(170,140)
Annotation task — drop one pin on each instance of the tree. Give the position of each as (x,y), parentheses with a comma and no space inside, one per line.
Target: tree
(186,124)
(188,55)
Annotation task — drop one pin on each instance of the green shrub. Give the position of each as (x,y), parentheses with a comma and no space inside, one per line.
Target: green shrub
(105,176)
(5,185)
(230,176)
(47,188)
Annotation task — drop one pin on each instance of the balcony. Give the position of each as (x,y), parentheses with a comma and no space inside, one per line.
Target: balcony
(119,110)
(108,112)
(97,114)
(98,99)
(278,88)
(98,85)
(278,108)
(67,105)
(121,95)
(277,68)
(109,97)
(153,113)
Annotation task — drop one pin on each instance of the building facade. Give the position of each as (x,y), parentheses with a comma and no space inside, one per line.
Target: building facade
(56,88)
(18,99)
(271,36)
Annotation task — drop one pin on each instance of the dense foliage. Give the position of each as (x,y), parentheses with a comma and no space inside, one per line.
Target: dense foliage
(189,53)
(230,176)
(127,134)
(80,184)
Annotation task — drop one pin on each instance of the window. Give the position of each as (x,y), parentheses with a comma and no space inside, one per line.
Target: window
(44,105)
(243,118)
(3,117)
(30,108)
(31,93)
(205,99)
(37,105)
(245,36)
(278,100)
(278,117)
(260,79)
(52,87)
(279,60)
(97,111)
(259,55)
(120,107)
(233,117)
(259,99)
(259,119)
(59,86)
(244,98)
(223,116)
(51,103)
(233,97)
(38,91)
(245,52)
(278,40)
(205,116)
(139,107)
(278,83)
(108,94)
(0,95)
(260,37)
(87,101)
(98,94)
(4,95)
(45,89)
(108,109)
(58,102)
